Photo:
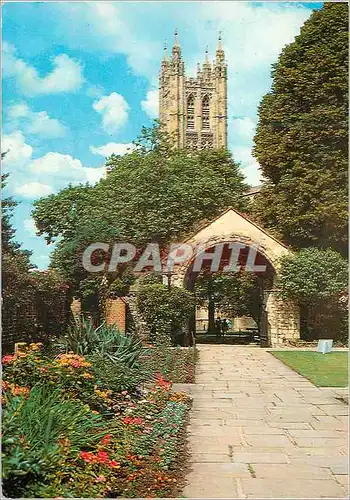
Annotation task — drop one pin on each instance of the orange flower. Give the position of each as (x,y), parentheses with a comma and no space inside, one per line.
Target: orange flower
(73,360)
(17,390)
(161,382)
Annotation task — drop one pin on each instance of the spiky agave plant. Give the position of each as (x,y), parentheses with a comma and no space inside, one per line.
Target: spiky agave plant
(117,346)
(104,341)
(79,338)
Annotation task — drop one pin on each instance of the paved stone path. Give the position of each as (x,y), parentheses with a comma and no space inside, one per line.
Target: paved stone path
(259,430)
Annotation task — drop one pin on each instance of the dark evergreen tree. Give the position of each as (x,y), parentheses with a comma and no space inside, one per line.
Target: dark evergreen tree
(302,136)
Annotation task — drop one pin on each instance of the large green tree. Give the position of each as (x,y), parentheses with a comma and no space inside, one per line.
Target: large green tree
(302,136)
(152,194)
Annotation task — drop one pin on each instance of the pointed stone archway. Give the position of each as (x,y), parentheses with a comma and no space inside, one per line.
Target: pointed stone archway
(281,318)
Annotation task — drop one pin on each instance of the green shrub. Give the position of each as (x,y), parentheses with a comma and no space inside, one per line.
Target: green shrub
(317,281)
(166,311)
(164,434)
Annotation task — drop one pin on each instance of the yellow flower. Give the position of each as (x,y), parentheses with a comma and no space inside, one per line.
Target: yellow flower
(87,375)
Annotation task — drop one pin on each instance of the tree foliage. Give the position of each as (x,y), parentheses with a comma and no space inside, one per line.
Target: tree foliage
(302,136)
(317,280)
(9,245)
(152,194)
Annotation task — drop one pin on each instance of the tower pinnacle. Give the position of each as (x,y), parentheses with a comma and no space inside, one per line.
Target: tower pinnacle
(220,41)
(165,54)
(176,49)
(176,41)
(220,54)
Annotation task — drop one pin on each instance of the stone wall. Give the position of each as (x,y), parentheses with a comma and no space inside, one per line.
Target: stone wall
(283,318)
(140,326)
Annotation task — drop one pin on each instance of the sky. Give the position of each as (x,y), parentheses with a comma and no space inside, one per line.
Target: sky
(81,79)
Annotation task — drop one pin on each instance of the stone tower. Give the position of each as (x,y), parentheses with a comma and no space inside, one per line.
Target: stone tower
(194,110)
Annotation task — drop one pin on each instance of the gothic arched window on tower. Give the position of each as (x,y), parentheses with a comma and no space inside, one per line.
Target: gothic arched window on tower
(205,113)
(190,111)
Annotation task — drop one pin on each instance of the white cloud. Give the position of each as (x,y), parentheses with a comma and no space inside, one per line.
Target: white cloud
(252,174)
(16,111)
(37,123)
(112,147)
(249,166)
(18,151)
(114,110)
(95,91)
(29,226)
(44,175)
(253,33)
(41,124)
(151,104)
(34,190)
(108,26)
(62,169)
(66,75)
(243,128)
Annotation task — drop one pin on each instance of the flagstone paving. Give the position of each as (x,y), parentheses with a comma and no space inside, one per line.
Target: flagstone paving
(259,430)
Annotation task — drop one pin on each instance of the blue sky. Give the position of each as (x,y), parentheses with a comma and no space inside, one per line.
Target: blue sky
(80,80)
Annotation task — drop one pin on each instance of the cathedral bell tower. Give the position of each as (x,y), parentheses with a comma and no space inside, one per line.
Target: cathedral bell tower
(194,110)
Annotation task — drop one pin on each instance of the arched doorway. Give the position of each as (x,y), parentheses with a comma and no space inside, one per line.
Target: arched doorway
(279,320)
(230,306)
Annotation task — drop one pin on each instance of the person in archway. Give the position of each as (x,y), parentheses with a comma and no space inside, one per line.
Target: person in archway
(224,327)
(218,329)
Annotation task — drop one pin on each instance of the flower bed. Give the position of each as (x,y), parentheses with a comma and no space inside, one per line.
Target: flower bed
(174,363)
(69,432)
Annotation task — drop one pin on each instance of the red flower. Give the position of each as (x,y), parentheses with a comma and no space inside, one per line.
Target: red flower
(114,464)
(106,439)
(132,420)
(87,456)
(161,382)
(102,457)
(9,358)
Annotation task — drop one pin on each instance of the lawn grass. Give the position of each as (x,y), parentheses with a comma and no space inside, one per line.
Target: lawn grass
(323,370)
